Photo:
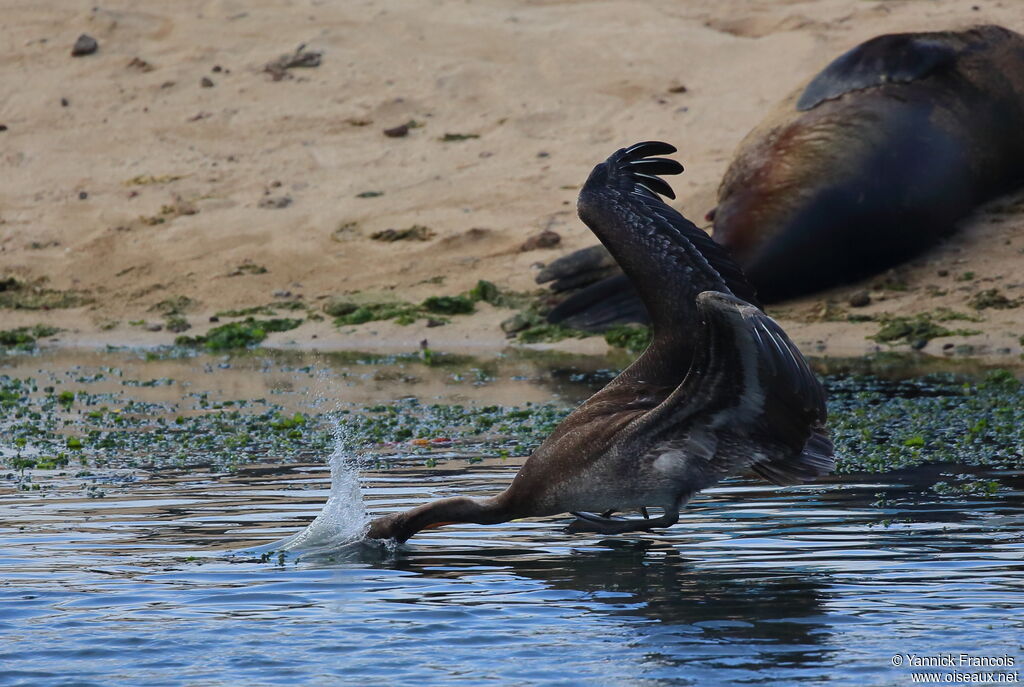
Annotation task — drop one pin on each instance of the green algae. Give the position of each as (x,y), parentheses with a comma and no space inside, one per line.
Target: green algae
(347,312)
(270,309)
(339,308)
(549,333)
(119,431)
(878,426)
(19,296)
(913,329)
(449,305)
(25,337)
(176,305)
(373,312)
(245,312)
(633,338)
(450,137)
(177,324)
(488,292)
(416,232)
(992,298)
(530,324)
(238,334)
(967,485)
(884,427)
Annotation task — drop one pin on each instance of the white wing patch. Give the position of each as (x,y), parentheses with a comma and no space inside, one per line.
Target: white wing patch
(671,462)
(677,457)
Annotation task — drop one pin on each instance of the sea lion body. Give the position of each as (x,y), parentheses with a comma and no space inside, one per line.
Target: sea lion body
(877,158)
(873,161)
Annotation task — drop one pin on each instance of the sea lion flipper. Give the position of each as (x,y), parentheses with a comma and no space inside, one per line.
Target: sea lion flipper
(601,305)
(589,259)
(896,58)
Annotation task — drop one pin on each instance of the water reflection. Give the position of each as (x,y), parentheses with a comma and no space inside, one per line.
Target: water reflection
(654,581)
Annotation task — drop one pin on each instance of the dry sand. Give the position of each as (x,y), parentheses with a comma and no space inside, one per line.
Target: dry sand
(148,186)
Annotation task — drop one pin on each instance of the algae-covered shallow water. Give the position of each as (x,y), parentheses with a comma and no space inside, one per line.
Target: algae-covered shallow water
(137,491)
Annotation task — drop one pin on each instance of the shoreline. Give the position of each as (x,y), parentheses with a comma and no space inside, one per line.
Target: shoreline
(591,353)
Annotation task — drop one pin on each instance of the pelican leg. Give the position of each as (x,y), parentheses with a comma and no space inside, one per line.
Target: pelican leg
(589,522)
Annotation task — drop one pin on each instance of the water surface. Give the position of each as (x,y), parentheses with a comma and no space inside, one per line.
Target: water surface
(756,585)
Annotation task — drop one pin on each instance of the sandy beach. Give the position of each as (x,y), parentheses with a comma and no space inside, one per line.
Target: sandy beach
(171,166)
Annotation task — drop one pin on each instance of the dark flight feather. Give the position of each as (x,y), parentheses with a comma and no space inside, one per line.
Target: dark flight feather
(646,149)
(657,165)
(620,204)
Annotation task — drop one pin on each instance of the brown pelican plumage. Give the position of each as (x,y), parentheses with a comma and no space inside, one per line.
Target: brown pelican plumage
(720,390)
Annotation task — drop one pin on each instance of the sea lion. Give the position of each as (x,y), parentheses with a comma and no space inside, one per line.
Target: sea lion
(877,158)
(873,161)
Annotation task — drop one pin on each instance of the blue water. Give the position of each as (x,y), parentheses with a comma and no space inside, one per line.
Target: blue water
(755,585)
(151,585)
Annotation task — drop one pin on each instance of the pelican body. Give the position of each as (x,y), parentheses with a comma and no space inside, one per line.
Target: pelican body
(719,391)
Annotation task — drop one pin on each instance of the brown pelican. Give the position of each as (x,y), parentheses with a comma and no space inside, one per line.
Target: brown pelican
(720,390)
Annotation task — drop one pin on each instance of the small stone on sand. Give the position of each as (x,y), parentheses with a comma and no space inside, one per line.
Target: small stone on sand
(140,64)
(275,202)
(545,239)
(416,232)
(85,45)
(860,299)
(301,58)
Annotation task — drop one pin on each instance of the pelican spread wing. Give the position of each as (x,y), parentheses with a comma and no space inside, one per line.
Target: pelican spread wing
(751,393)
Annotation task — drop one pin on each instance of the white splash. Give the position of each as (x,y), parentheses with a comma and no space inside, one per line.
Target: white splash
(343,519)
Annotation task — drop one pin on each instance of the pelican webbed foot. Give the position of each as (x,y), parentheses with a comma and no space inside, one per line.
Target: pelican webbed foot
(591,522)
